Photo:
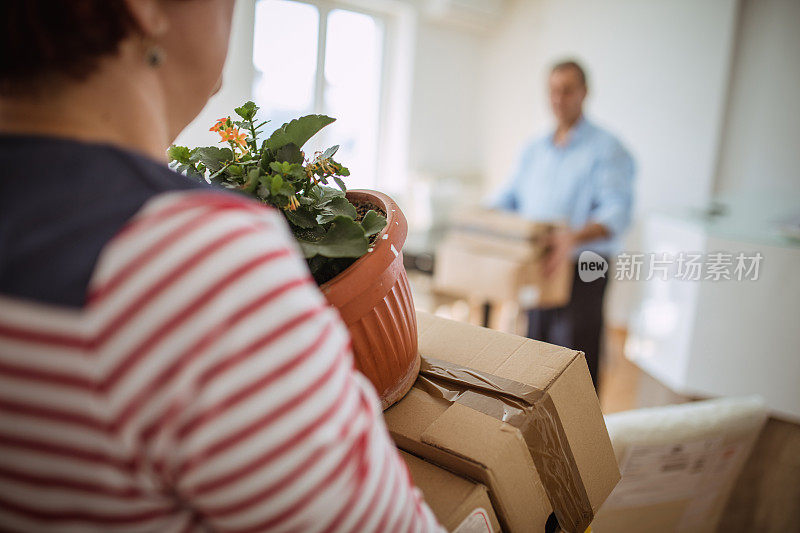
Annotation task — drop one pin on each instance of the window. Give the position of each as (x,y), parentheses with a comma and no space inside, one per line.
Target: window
(324,57)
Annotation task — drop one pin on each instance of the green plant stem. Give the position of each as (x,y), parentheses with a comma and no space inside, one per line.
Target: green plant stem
(254,145)
(229,163)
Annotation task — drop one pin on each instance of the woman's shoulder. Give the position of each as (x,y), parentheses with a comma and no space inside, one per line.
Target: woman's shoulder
(70,200)
(191,227)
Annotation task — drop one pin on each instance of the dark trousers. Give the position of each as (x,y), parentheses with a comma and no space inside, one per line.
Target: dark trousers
(577,325)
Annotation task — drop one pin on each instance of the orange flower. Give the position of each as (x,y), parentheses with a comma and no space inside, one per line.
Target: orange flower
(238,138)
(293,203)
(233,135)
(220,124)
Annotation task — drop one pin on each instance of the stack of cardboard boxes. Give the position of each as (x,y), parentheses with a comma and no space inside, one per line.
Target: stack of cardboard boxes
(497,257)
(516,418)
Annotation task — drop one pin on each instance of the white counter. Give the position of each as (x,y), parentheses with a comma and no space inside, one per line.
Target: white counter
(726,337)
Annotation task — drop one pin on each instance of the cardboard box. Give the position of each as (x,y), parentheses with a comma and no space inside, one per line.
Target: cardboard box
(517,415)
(498,256)
(459,504)
(679,464)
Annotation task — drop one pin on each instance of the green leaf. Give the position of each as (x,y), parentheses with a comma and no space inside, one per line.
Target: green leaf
(331,192)
(305,200)
(345,238)
(340,182)
(193,172)
(301,217)
(338,206)
(212,157)
(234,170)
(280,167)
(179,153)
(287,189)
(289,153)
(321,195)
(247,111)
(373,223)
(298,172)
(267,157)
(279,186)
(315,193)
(298,131)
(330,152)
(309,234)
(252,181)
(275,185)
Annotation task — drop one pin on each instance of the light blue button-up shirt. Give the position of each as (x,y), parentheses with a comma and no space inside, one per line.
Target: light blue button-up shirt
(589,179)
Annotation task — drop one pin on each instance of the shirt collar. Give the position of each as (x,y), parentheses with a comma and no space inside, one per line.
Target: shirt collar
(576,133)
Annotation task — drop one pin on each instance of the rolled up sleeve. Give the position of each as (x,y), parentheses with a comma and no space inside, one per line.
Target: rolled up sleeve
(613,202)
(507,198)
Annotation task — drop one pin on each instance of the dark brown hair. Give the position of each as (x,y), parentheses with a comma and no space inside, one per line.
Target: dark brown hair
(570,64)
(62,37)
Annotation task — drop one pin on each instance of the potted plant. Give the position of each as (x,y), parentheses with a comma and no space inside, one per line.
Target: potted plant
(352,240)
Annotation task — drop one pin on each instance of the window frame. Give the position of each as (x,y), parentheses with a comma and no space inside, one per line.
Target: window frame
(394,100)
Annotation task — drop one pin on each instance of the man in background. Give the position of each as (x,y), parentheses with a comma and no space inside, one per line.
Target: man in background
(582,175)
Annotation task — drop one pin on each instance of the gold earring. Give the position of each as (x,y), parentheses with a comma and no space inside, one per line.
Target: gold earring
(154,56)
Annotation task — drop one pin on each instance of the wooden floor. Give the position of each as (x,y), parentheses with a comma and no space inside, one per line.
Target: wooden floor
(618,386)
(766,497)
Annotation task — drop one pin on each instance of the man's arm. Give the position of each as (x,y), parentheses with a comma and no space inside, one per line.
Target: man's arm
(613,182)
(614,191)
(506,199)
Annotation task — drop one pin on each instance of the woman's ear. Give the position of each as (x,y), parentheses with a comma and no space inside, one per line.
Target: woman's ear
(150,17)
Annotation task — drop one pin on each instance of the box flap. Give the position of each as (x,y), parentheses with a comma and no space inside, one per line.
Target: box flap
(520,498)
(508,356)
(451,498)
(408,419)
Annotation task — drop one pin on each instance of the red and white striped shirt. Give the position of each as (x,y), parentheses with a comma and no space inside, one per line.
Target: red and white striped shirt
(206,385)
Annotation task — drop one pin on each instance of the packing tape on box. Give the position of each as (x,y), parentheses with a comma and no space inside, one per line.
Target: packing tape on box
(530,410)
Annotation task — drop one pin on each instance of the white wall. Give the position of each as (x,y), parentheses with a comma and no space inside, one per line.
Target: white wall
(446,133)
(658,73)
(761,144)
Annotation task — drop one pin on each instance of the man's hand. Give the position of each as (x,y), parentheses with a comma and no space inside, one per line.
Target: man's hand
(560,244)
(563,241)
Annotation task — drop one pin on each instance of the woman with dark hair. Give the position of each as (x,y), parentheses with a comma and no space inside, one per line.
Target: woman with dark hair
(166,361)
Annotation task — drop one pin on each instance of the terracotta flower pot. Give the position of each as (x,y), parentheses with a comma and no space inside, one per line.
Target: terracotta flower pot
(374,299)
